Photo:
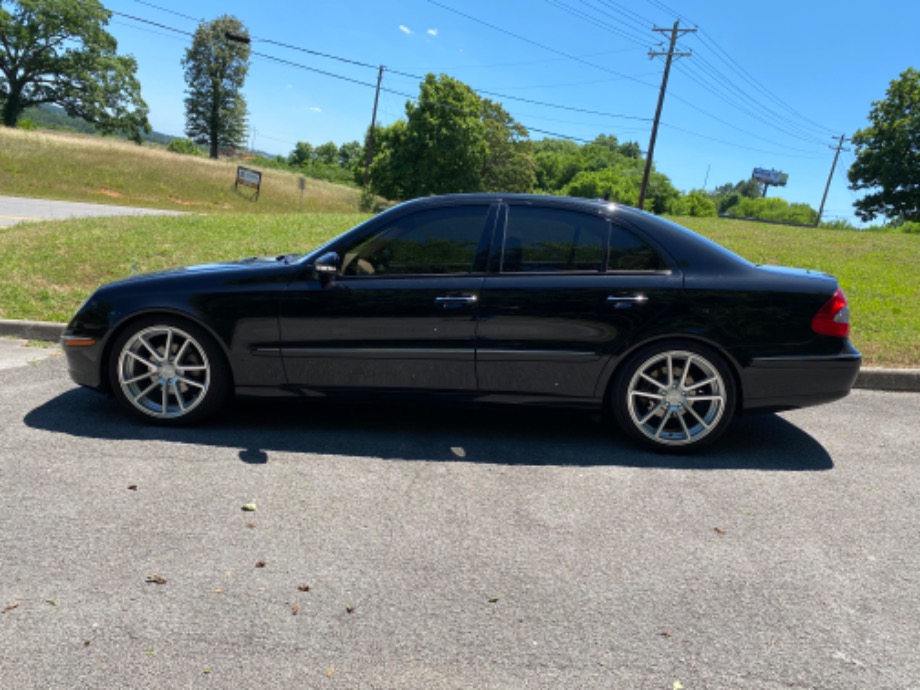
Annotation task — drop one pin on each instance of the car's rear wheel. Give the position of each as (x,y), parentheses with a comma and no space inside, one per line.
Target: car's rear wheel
(168,371)
(674,396)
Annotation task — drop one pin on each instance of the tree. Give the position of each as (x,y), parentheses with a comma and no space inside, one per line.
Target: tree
(327,153)
(58,51)
(451,141)
(350,154)
(510,165)
(215,70)
(445,138)
(728,195)
(302,155)
(621,183)
(888,153)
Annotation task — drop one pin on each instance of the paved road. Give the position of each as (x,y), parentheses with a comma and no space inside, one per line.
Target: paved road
(19,209)
(436,548)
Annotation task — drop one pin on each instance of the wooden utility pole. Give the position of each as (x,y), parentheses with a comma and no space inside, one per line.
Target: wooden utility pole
(369,154)
(827,187)
(675,32)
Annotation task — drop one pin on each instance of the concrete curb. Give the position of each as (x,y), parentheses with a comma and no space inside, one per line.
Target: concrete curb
(32,330)
(872,378)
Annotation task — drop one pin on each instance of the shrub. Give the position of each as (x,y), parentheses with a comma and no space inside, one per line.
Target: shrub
(184,146)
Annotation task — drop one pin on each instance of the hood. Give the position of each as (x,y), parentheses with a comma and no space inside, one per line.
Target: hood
(222,269)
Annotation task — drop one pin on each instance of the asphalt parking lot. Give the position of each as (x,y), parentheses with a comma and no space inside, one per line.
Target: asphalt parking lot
(442,548)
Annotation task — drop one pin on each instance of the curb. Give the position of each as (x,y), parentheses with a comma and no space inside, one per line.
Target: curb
(871,378)
(32,330)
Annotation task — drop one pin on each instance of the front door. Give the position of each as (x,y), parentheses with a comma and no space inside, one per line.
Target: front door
(401,312)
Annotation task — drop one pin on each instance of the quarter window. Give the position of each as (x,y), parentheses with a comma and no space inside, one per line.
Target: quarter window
(539,240)
(439,241)
(628,252)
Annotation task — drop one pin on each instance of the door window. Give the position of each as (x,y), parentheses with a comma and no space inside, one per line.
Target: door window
(540,240)
(438,241)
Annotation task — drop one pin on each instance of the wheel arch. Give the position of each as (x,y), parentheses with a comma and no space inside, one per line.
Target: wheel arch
(116,330)
(610,372)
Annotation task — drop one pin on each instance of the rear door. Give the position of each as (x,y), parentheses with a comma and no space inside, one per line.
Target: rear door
(567,292)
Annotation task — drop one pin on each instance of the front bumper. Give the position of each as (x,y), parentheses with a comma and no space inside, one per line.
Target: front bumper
(83,360)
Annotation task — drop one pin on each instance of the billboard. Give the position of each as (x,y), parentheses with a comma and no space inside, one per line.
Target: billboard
(773,177)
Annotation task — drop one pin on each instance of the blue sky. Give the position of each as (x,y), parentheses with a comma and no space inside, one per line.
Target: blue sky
(769,84)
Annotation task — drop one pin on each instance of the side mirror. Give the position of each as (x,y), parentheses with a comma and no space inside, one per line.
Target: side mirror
(327,265)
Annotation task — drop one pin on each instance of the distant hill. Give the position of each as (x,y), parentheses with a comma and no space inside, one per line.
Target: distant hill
(54,117)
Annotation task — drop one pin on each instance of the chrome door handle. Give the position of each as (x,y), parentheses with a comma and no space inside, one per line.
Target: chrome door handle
(626,302)
(455,301)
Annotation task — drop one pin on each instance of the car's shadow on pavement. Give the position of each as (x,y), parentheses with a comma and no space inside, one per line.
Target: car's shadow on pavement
(507,436)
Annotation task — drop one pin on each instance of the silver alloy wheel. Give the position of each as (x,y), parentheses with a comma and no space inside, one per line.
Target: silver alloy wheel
(164,372)
(676,398)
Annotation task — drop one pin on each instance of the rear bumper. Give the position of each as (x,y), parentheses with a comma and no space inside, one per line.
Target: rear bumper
(781,383)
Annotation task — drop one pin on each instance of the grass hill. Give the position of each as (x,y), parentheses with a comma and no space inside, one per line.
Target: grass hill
(83,167)
(47,269)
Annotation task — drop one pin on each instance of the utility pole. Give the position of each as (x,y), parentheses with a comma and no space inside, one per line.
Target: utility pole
(827,187)
(675,32)
(369,154)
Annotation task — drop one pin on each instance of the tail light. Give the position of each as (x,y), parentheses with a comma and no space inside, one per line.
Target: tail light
(834,317)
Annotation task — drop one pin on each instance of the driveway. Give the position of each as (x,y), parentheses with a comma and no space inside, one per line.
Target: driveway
(417,547)
(19,209)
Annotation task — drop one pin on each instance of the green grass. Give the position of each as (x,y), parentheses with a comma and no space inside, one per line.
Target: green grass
(877,271)
(47,269)
(78,167)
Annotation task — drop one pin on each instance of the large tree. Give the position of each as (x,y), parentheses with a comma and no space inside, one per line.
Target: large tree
(58,51)
(215,70)
(451,141)
(888,154)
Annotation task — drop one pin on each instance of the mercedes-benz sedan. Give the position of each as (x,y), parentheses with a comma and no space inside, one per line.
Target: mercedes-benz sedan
(520,299)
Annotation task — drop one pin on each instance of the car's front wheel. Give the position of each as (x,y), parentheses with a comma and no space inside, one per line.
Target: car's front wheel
(674,396)
(168,371)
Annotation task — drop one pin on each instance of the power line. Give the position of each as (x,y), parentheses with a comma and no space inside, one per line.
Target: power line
(731,62)
(594,20)
(502,96)
(168,11)
(541,45)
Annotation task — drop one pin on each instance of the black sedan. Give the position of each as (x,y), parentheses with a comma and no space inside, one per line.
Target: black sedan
(528,300)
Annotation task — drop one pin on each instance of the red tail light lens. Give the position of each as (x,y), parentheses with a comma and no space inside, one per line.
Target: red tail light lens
(834,317)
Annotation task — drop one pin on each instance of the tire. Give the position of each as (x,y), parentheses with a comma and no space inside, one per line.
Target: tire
(674,396)
(186,385)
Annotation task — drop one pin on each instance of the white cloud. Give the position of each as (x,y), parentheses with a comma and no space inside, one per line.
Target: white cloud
(405,29)
(315,109)
(432,32)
